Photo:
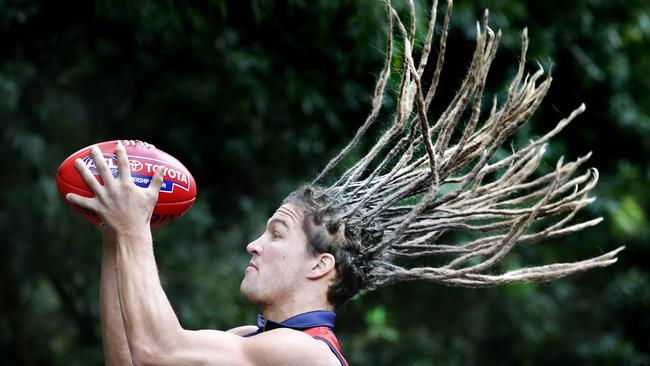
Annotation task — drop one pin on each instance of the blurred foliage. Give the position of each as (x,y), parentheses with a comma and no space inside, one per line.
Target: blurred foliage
(255,97)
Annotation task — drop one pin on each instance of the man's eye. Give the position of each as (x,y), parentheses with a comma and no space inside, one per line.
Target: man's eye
(276,235)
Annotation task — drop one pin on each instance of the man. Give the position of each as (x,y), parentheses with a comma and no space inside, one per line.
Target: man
(422,181)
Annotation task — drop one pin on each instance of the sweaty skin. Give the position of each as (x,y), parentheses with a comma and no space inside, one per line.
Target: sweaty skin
(283,279)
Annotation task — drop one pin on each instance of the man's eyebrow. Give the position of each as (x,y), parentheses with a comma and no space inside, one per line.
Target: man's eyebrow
(279,221)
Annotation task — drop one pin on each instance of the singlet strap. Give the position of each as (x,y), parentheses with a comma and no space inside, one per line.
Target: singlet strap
(326,335)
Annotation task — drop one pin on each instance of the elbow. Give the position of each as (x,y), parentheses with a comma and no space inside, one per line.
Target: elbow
(149,354)
(144,355)
(159,350)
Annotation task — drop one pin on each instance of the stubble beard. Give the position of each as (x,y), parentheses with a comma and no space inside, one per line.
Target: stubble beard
(249,289)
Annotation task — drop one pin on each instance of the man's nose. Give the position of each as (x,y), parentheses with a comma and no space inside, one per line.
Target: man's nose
(254,247)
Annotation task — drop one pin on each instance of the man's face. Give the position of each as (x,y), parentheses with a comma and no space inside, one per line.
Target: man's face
(280,260)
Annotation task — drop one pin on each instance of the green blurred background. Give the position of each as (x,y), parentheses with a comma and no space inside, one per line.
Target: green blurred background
(254,98)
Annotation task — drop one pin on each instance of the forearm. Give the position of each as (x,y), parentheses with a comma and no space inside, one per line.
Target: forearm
(149,319)
(116,348)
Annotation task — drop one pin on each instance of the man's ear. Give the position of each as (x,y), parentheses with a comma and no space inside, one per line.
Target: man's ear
(324,264)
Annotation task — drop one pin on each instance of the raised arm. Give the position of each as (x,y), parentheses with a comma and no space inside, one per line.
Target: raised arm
(157,338)
(116,348)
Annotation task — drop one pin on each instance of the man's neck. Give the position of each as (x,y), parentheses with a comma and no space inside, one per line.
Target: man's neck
(285,311)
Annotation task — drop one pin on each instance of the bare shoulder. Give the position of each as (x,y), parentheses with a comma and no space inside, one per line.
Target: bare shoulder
(289,347)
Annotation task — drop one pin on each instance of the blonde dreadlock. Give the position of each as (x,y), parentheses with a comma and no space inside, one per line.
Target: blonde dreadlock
(431,180)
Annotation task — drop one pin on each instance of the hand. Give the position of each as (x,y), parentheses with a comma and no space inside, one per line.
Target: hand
(124,207)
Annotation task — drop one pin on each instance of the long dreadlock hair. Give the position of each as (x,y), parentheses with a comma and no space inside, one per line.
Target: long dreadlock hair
(430,177)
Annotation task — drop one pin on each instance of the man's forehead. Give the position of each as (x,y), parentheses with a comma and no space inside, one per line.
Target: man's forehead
(288,212)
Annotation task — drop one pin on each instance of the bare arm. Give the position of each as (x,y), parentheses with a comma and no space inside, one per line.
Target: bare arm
(157,338)
(116,348)
(150,322)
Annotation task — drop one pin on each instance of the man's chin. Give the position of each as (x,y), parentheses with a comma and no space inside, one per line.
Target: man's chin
(248,293)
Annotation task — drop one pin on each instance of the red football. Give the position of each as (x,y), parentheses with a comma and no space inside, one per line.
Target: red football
(177,193)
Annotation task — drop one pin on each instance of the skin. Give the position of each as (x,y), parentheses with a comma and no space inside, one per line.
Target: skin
(139,326)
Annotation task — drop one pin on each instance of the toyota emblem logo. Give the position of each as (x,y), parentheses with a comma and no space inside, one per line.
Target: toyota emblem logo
(135,165)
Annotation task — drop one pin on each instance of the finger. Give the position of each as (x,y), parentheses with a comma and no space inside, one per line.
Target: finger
(88,177)
(84,202)
(157,180)
(100,164)
(123,163)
